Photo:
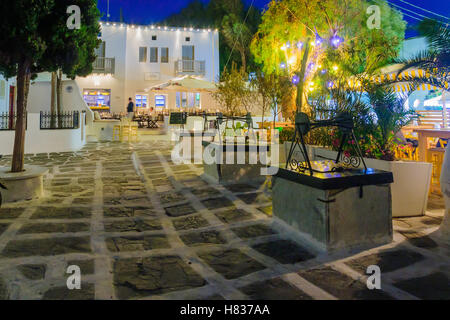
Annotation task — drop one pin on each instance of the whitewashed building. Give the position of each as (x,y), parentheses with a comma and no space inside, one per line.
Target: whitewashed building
(133,59)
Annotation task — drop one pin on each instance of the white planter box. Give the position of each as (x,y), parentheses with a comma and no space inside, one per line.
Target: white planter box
(411,182)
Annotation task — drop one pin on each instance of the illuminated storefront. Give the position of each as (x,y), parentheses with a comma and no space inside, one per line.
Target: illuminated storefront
(98,99)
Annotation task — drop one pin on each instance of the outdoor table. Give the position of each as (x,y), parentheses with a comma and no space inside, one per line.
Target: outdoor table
(424,134)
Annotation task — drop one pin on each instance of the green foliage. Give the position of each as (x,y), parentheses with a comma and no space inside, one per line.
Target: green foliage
(298,20)
(232,91)
(34,38)
(377,121)
(35,30)
(435,60)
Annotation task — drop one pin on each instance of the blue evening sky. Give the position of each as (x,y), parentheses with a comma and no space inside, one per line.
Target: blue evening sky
(153,11)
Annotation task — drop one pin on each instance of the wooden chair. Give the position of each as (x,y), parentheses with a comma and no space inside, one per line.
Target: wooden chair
(125,133)
(436,157)
(133,134)
(116,133)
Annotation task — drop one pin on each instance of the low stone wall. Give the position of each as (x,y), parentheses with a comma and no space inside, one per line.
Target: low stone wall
(45,141)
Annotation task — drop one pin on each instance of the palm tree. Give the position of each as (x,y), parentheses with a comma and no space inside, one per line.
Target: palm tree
(237,35)
(435,61)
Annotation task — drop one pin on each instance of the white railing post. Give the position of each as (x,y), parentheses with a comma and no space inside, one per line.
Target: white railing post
(444,110)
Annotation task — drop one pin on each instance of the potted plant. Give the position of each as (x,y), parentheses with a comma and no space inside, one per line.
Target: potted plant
(378,126)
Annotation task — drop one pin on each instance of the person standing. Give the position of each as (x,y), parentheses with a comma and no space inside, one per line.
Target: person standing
(130,109)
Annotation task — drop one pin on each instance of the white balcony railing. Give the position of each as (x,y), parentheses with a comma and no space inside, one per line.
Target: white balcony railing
(190,67)
(104,65)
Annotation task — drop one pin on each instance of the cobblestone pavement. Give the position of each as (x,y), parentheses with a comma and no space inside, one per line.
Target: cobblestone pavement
(141,227)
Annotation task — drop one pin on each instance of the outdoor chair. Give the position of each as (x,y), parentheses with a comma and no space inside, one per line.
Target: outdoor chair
(116,133)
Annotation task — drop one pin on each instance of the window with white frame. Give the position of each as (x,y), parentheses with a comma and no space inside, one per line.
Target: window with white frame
(188,52)
(142,54)
(154,54)
(164,55)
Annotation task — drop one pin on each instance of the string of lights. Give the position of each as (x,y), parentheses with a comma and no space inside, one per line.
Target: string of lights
(426,10)
(413,12)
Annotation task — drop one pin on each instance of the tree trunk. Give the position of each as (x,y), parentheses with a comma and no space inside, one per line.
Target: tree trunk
(301,76)
(23,86)
(53,101)
(59,97)
(243,59)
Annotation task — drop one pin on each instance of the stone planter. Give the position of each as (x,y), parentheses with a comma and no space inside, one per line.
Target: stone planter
(237,164)
(411,182)
(26,185)
(331,212)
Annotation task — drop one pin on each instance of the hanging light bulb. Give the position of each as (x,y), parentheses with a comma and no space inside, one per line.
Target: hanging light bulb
(319,40)
(288,44)
(282,65)
(299,45)
(336,41)
(295,79)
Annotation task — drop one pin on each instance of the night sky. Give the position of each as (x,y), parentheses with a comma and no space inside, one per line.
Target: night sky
(153,11)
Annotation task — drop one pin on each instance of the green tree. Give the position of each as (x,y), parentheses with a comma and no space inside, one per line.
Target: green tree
(313,37)
(231,89)
(34,38)
(213,15)
(237,35)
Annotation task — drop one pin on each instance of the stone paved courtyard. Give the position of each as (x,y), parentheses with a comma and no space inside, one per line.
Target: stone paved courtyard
(141,227)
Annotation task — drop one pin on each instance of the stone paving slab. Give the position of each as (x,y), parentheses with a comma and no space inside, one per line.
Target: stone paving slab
(231,263)
(53,228)
(33,271)
(274,289)
(138,277)
(191,222)
(387,261)
(341,285)
(435,286)
(46,247)
(141,243)
(284,251)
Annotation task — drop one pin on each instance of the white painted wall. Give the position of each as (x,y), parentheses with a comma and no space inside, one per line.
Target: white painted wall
(123,42)
(43,141)
(4,92)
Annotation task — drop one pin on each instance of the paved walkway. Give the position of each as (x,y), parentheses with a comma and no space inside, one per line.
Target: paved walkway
(140,227)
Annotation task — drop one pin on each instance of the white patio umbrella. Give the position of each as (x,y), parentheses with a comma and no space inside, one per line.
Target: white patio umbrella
(186,83)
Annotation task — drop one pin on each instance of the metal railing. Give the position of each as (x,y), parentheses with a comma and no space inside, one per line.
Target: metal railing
(104,65)
(190,67)
(65,120)
(8,121)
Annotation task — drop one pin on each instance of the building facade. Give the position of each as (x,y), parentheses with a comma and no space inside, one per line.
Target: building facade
(133,59)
